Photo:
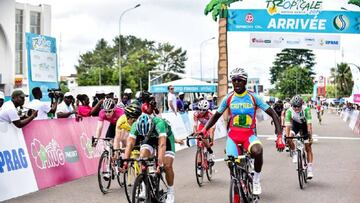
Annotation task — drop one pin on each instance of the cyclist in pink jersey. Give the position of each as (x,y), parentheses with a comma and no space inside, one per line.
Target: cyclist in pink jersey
(111,114)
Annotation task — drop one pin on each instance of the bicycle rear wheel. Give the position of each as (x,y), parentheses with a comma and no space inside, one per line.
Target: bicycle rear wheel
(300,169)
(104,172)
(141,192)
(236,194)
(198,159)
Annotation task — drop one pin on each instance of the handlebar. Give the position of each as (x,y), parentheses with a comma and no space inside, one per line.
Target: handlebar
(193,137)
(93,139)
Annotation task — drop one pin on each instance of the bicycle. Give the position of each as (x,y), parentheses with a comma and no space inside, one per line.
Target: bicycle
(241,173)
(107,168)
(149,186)
(131,173)
(201,156)
(302,161)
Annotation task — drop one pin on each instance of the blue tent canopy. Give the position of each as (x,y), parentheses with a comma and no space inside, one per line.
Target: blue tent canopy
(185,85)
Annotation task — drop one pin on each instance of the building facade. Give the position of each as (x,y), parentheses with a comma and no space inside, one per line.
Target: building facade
(15,20)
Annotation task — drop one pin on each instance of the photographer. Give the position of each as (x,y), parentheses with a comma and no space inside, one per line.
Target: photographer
(42,107)
(67,108)
(9,113)
(149,104)
(99,97)
(2,97)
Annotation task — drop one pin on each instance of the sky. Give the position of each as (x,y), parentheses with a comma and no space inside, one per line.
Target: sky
(79,24)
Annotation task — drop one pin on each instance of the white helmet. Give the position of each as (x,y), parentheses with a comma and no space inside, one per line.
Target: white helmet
(287,105)
(203,105)
(138,94)
(127,91)
(108,104)
(238,73)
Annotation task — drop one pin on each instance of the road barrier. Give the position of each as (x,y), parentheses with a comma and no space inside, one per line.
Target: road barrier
(50,152)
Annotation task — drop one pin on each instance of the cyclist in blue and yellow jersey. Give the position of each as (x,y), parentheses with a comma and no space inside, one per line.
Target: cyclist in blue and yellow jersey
(242,106)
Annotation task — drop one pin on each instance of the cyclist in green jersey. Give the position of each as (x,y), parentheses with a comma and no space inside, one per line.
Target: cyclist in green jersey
(154,133)
(298,118)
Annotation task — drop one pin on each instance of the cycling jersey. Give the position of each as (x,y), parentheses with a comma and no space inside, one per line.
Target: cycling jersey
(242,109)
(304,116)
(116,115)
(201,117)
(123,124)
(161,129)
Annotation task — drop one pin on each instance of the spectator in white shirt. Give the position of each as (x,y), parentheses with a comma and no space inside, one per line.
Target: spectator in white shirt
(9,113)
(2,97)
(67,108)
(43,108)
(172,99)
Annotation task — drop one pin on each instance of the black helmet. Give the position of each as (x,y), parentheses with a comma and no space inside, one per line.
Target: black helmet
(133,111)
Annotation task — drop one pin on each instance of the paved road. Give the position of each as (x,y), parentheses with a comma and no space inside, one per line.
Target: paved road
(336,171)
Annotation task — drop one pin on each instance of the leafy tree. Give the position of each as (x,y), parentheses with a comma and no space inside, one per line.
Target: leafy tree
(171,59)
(63,86)
(343,79)
(331,91)
(355,2)
(294,80)
(288,58)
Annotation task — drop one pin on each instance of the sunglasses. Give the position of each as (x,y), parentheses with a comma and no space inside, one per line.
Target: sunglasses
(172,88)
(296,106)
(108,112)
(239,79)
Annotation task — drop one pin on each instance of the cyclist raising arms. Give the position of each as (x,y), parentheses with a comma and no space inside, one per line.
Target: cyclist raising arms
(201,117)
(242,107)
(154,133)
(124,123)
(298,118)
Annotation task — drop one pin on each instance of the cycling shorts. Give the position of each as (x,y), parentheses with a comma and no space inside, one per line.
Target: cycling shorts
(243,136)
(110,133)
(153,143)
(297,127)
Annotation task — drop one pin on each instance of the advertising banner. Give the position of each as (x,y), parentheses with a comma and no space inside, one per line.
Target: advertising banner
(355,72)
(16,173)
(42,63)
(294,41)
(293,19)
(60,150)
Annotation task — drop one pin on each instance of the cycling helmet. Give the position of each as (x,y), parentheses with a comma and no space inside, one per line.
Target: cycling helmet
(287,105)
(297,101)
(144,125)
(133,111)
(238,73)
(146,96)
(108,104)
(127,91)
(203,105)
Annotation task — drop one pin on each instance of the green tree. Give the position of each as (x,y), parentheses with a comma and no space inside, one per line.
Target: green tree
(356,2)
(294,80)
(288,58)
(63,86)
(343,79)
(331,91)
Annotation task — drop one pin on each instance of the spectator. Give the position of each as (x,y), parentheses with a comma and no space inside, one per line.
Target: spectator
(67,108)
(128,92)
(100,95)
(180,104)
(194,105)
(116,99)
(209,98)
(172,100)
(201,97)
(2,97)
(125,100)
(9,113)
(43,108)
(149,104)
(215,100)
(84,108)
(109,94)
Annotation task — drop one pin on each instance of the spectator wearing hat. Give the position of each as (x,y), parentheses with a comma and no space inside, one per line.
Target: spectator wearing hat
(180,104)
(2,97)
(43,108)
(9,112)
(172,99)
(209,98)
(215,99)
(67,108)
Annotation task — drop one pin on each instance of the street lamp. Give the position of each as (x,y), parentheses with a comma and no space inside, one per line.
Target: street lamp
(119,58)
(201,44)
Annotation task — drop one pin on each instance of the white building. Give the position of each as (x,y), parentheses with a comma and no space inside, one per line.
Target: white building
(15,20)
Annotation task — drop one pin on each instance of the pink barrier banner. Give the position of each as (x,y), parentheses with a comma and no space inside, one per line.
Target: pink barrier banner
(356,97)
(60,149)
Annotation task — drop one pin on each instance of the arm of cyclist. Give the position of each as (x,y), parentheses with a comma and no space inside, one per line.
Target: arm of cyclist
(279,142)
(211,122)
(129,147)
(161,151)
(99,128)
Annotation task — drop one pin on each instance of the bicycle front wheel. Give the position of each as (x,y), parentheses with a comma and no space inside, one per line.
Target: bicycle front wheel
(236,195)
(300,169)
(129,179)
(104,172)
(141,190)
(209,169)
(199,170)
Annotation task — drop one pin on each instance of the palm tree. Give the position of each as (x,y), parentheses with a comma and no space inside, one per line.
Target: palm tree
(356,2)
(219,10)
(343,79)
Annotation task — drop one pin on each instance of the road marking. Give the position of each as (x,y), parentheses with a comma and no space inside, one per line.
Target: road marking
(316,137)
